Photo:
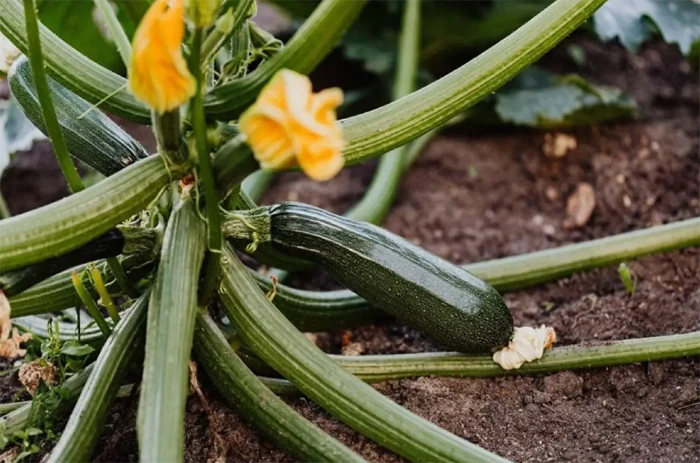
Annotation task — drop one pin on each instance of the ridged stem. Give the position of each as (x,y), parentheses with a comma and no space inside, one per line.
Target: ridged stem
(66,224)
(170,328)
(377,200)
(401,121)
(242,389)
(36,58)
(167,128)
(210,276)
(267,332)
(84,427)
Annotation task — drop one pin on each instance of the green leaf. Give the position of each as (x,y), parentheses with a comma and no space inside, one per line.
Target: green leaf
(75,349)
(16,132)
(634,21)
(79,24)
(541,100)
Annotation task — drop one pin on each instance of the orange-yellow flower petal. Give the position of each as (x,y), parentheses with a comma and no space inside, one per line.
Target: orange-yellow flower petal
(289,122)
(158,75)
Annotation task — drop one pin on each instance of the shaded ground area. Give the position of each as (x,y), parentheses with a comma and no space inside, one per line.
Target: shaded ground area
(475,196)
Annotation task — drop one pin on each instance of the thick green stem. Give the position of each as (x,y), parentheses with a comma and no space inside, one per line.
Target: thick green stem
(377,200)
(115,29)
(256,183)
(242,389)
(170,328)
(377,368)
(75,183)
(85,425)
(277,342)
(399,122)
(531,269)
(383,367)
(205,173)
(312,42)
(73,221)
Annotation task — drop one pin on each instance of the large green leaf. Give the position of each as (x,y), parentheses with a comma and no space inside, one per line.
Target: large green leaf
(543,100)
(634,21)
(78,23)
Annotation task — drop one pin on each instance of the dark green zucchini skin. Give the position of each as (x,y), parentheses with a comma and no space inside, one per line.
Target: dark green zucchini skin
(93,139)
(108,245)
(447,303)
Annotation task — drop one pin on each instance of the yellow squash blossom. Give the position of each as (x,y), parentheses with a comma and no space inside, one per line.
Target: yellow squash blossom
(290,124)
(158,75)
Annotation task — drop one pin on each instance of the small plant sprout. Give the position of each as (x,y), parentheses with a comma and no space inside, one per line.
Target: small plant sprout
(629,279)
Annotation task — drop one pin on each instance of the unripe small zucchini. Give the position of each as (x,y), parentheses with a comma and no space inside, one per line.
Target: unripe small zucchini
(90,135)
(442,300)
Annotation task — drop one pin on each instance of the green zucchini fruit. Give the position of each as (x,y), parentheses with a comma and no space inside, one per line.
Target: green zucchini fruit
(90,135)
(118,240)
(442,300)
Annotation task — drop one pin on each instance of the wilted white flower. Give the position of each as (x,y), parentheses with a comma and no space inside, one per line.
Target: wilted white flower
(527,344)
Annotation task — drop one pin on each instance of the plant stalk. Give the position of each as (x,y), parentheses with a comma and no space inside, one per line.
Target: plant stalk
(205,173)
(377,200)
(116,30)
(73,221)
(247,393)
(36,58)
(170,327)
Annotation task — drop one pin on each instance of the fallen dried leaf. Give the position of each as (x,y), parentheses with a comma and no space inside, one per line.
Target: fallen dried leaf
(32,374)
(353,349)
(10,345)
(580,206)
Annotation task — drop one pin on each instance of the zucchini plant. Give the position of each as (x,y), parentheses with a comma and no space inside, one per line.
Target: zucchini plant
(160,236)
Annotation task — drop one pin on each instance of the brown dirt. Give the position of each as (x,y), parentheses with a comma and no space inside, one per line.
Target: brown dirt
(475,196)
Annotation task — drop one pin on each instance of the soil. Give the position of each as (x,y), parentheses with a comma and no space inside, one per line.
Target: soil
(475,196)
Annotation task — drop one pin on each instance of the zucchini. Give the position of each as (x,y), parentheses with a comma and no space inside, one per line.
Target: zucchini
(119,240)
(447,303)
(90,135)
